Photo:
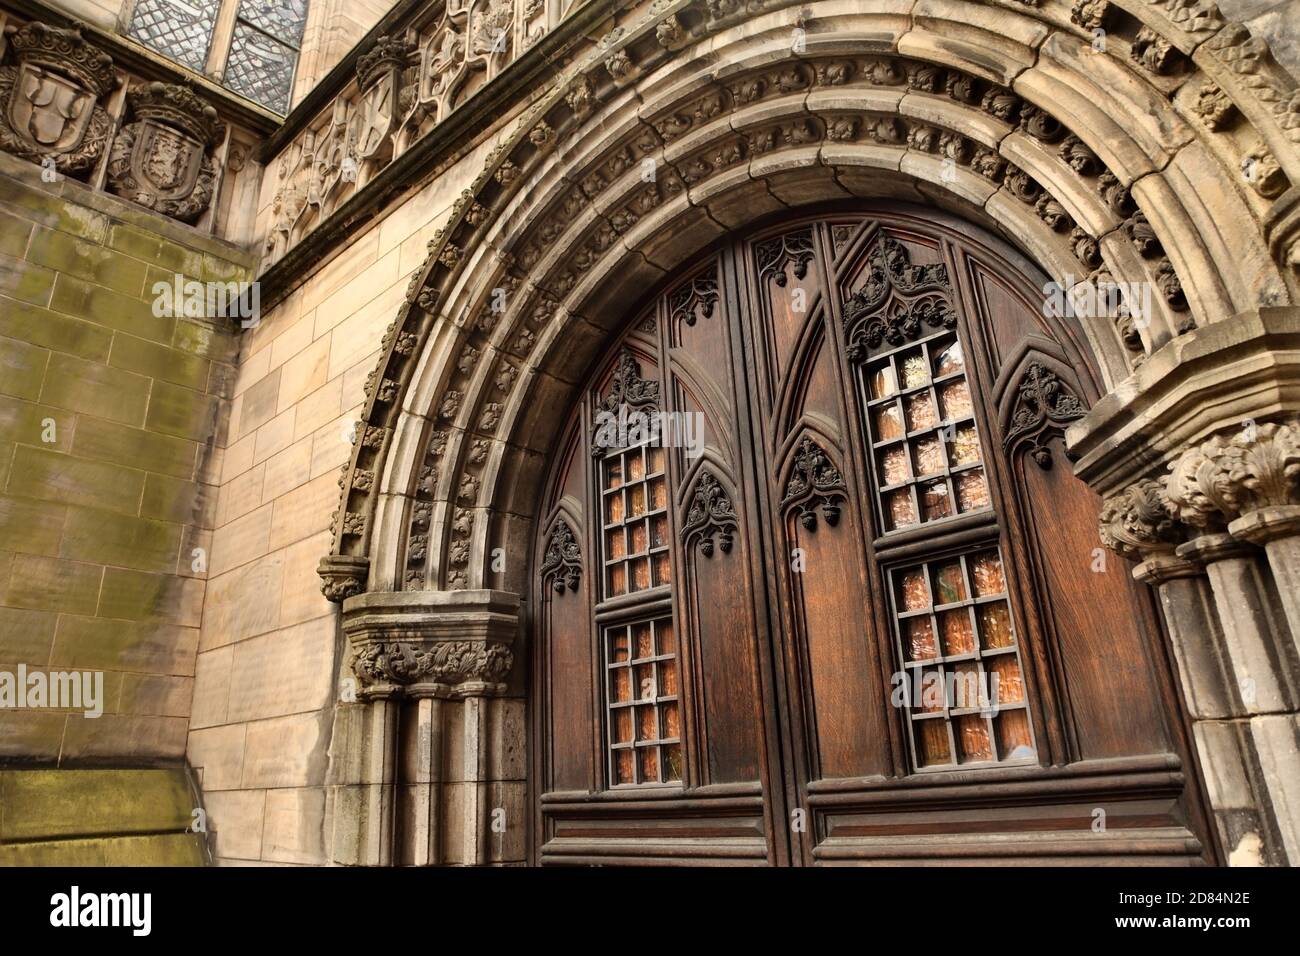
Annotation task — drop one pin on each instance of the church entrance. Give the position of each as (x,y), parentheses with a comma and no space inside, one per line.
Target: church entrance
(815,584)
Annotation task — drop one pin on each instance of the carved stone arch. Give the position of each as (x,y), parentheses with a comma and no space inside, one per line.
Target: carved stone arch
(1117,120)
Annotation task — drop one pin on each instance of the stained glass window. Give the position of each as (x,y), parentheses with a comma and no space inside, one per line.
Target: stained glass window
(961,684)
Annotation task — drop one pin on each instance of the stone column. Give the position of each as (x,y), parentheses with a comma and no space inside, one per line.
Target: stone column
(412,765)
(1138,523)
(1209,488)
(1248,482)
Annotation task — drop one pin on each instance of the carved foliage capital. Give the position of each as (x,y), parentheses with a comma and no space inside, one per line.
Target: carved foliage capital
(1225,478)
(1139,521)
(458,641)
(446,662)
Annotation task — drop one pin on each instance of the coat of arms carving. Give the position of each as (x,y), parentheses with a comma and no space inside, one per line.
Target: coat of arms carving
(161,159)
(51,96)
(380,75)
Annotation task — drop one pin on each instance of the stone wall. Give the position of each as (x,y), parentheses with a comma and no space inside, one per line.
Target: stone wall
(98,818)
(107,418)
(269,651)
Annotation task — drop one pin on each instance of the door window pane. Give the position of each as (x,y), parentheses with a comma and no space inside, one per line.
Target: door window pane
(966,698)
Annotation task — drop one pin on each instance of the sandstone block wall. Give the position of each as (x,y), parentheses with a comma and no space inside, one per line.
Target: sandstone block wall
(270,649)
(108,418)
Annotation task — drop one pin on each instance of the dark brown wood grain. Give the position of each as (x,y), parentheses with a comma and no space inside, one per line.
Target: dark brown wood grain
(787,624)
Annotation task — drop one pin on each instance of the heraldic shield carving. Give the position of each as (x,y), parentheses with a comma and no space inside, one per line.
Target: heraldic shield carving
(161,159)
(51,96)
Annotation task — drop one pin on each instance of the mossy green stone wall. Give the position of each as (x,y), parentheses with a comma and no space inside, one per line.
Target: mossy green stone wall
(98,818)
(108,417)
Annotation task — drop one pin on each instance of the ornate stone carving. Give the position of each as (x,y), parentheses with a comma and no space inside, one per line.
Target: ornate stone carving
(1154,52)
(709,515)
(51,98)
(445,662)
(1140,521)
(1192,16)
(161,160)
(562,565)
(814,483)
(1043,406)
(1214,107)
(379,75)
(342,576)
(1090,14)
(1224,478)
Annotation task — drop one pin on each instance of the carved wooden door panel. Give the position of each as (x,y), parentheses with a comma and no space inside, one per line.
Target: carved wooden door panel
(849,604)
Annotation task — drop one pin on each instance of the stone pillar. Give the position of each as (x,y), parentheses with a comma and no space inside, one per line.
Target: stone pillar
(412,765)
(1248,482)
(1138,523)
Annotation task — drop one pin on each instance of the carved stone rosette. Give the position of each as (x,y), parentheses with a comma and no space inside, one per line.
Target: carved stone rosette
(51,98)
(162,160)
(431,644)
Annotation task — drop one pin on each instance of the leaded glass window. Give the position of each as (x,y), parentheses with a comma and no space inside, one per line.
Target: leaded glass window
(178,30)
(964,687)
(263,49)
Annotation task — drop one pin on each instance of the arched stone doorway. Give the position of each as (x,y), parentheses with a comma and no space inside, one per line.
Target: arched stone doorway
(542,259)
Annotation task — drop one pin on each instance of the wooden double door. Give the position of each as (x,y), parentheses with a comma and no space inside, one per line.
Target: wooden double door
(815,583)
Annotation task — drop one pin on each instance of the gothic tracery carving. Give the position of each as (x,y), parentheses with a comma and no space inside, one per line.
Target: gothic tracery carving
(793,250)
(1043,406)
(562,564)
(710,515)
(814,483)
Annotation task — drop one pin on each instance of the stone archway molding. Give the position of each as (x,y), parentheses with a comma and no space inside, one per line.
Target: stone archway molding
(1098,165)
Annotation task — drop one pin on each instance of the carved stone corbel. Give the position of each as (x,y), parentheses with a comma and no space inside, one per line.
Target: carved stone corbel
(343,576)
